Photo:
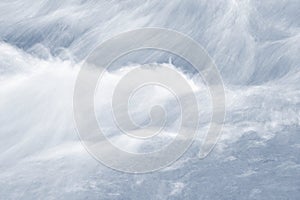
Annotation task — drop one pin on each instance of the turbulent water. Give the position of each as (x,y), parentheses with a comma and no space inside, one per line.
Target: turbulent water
(255,45)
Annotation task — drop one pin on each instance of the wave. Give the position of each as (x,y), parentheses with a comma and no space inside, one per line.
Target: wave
(255,46)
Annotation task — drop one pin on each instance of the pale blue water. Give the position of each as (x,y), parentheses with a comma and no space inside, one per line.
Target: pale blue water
(255,45)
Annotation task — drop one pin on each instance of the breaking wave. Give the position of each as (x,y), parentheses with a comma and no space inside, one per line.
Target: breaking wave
(255,46)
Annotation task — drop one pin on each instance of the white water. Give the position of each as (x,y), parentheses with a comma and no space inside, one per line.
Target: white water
(255,46)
